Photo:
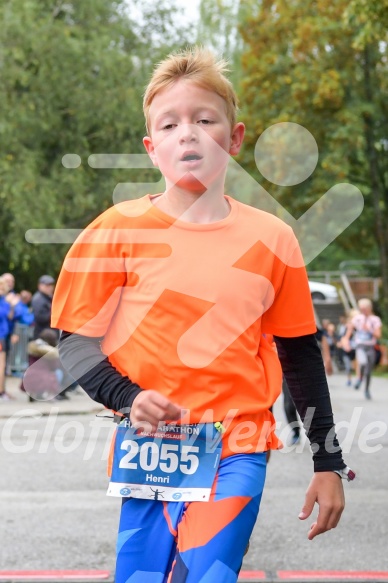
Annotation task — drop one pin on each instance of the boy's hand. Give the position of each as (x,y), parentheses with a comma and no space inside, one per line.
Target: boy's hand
(326,489)
(152,407)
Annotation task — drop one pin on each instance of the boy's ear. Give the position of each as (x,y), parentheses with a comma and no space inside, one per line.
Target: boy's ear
(147,141)
(237,138)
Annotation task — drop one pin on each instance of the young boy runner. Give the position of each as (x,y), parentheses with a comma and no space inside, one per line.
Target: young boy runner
(165,302)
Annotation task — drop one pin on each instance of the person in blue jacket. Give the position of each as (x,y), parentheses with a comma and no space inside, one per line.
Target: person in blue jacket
(23,313)
(7,305)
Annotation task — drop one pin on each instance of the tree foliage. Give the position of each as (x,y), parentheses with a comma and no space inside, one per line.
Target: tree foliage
(72,77)
(217,25)
(219,29)
(324,66)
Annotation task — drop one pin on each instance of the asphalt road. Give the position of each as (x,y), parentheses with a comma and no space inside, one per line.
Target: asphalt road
(55,513)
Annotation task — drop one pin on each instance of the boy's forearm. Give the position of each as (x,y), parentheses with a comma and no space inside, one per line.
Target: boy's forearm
(303,369)
(83,358)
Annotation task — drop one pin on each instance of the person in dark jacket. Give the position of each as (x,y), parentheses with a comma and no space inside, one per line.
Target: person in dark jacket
(41,304)
(41,307)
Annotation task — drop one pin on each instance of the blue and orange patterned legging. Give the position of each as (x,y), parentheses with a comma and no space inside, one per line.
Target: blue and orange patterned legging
(193,542)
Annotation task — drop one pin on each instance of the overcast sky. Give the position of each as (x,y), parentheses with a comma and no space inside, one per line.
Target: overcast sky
(191,9)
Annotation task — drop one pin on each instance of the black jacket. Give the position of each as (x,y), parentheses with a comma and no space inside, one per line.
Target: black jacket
(41,307)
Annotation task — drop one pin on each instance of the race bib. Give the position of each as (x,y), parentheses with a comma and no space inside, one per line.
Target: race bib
(363,336)
(177,463)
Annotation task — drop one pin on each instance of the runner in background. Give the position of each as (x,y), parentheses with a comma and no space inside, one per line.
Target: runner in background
(366,327)
(347,356)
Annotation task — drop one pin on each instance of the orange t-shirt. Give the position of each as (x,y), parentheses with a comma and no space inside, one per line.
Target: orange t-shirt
(183,308)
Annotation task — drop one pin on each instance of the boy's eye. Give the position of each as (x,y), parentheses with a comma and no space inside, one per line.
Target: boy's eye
(168,126)
(205,121)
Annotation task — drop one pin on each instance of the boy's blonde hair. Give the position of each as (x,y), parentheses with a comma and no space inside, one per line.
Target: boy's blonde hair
(196,64)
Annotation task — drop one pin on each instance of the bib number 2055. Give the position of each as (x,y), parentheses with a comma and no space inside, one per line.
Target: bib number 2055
(169,457)
(177,465)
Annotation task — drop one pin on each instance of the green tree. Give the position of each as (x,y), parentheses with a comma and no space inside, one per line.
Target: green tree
(218,29)
(72,77)
(218,25)
(324,66)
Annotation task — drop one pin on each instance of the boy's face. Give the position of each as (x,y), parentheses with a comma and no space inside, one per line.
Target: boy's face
(191,137)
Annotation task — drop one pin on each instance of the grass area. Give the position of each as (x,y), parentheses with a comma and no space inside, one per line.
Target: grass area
(381,371)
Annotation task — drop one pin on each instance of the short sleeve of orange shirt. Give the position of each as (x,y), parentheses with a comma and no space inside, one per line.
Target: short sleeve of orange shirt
(183,308)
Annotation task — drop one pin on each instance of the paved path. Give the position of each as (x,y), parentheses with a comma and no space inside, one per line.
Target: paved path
(55,515)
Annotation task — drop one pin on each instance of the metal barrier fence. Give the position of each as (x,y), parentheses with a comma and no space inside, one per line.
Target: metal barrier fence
(17,361)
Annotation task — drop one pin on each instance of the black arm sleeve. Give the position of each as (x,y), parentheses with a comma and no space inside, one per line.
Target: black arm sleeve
(83,358)
(303,369)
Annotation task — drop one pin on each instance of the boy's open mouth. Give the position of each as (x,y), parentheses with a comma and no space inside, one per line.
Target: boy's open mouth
(189,156)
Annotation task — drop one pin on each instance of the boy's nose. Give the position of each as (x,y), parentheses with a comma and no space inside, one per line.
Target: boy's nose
(189,133)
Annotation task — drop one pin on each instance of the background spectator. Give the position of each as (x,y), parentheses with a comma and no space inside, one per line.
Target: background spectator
(10,282)
(7,304)
(44,375)
(41,304)
(23,312)
(347,356)
(10,296)
(366,327)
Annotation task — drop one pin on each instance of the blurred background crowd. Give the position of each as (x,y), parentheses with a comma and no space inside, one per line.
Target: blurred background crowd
(26,336)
